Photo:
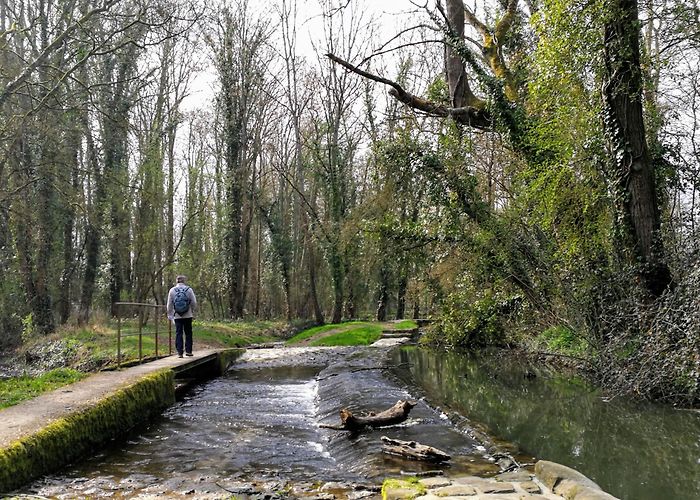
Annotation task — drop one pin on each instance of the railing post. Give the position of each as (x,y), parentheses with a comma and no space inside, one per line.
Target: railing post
(140,334)
(170,336)
(156,317)
(119,340)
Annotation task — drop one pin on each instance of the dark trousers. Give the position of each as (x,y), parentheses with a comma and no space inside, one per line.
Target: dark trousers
(183,325)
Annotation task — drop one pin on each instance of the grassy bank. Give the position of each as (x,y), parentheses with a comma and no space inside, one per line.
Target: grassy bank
(17,389)
(349,333)
(45,363)
(92,347)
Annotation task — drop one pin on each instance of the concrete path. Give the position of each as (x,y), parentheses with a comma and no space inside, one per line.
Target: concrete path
(31,416)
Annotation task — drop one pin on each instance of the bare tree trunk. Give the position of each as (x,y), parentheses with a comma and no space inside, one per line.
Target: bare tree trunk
(383,294)
(69,264)
(401,295)
(634,171)
(318,312)
(92,233)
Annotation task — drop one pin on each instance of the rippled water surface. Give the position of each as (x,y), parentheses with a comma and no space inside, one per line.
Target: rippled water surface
(634,451)
(263,424)
(249,423)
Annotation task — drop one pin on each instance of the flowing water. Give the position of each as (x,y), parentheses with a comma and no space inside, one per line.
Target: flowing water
(261,423)
(634,451)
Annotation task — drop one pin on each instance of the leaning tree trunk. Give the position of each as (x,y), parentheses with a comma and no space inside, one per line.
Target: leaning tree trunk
(634,172)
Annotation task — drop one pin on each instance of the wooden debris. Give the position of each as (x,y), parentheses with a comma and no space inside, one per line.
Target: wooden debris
(413,450)
(394,415)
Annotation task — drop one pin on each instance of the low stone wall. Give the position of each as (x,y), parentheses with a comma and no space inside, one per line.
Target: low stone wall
(68,438)
(227,358)
(550,481)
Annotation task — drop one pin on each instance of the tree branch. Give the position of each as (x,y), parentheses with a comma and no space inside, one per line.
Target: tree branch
(22,77)
(468,115)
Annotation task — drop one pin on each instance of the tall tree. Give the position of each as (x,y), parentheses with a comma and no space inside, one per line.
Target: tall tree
(238,45)
(634,174)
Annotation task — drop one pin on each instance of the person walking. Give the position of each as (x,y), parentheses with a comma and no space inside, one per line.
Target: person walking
(182,305)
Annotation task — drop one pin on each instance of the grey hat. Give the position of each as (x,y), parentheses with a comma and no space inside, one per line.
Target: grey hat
(181,278)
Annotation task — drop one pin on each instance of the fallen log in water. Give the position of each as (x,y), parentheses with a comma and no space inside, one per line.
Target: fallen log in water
(414,450)
(394,415)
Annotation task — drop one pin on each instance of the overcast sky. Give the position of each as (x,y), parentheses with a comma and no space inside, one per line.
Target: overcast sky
(387,17)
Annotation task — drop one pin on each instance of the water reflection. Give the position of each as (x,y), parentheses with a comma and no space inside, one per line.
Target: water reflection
(634,451)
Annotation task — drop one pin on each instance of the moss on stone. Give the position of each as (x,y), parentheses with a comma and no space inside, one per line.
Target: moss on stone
(71,437)
(402,488)
(227,358)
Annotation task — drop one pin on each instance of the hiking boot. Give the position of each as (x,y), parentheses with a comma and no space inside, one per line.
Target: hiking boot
(190,354)
(179,355)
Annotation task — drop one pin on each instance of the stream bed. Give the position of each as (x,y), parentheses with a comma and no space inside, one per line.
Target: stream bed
(255,432)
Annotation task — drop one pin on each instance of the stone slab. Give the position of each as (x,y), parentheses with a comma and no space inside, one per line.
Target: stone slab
(435,482)
(455,490)
(495,488)
(519,476)
(531,487)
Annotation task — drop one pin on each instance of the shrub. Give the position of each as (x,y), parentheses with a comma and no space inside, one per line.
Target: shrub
(473,324)
(562,339)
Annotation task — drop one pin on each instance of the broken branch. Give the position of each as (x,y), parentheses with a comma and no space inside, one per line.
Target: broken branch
(413,450)
(467,115)
(394,415)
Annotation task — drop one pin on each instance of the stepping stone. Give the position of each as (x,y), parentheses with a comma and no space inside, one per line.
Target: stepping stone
(455,490)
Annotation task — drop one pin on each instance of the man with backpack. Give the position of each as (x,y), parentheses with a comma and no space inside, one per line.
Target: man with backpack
(181,307)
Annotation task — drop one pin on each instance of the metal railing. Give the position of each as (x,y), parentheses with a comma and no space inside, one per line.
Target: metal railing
(142,316)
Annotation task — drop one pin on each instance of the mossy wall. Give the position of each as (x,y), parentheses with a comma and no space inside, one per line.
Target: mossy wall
(80,433)
(227,358)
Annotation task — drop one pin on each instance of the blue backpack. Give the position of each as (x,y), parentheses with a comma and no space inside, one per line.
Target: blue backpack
(181,300)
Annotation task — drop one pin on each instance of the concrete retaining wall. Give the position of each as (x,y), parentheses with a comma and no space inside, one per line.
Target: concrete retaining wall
(73,434)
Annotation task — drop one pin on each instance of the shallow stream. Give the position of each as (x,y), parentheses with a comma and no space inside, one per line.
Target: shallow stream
(257,429)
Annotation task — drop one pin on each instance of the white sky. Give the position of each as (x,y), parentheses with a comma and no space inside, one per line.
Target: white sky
(387,16)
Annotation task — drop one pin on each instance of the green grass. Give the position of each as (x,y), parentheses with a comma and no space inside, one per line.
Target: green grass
(407,324)
(17,389)
(96,344)
(236,333)
(316,330)
(363,335)
(562,339)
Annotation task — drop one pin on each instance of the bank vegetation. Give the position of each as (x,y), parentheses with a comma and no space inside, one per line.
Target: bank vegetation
(525,172)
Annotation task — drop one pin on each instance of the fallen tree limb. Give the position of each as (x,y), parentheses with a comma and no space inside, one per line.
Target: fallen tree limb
(413,450)
(394,415)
